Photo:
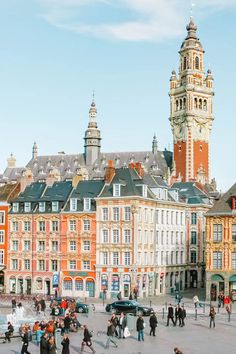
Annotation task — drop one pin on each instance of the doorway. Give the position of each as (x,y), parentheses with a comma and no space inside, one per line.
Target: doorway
(48,287)
(28,286)
(126,290)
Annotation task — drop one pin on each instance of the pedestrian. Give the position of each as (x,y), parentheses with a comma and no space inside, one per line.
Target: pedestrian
(51,345)
(170,315)
(110,334)
(9,332)
(13,305)
(119,295)
(136,293)
(67,323)
(25,342)
(122,324)
(212,316)
(87,340)
(153,324)
(195,301)
(177,351)
(65,344)
(43,305)
(140,328)
(44,344)
(131,296)
(114,320)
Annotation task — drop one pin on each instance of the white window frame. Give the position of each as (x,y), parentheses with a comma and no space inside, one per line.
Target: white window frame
(127,258)
(41,246)
(28,243)
(116,214)
(2,237)
(41,207)
(86,245)
(86,265)
(105,258)
(41,228)
(53,224)
(105,235)
(55,206)
(15,207)
(27,207)
(115,236)
(116,190)
(72,264)
(14,264)
(127,213)
(54,246)
(115,258)
(105,214)
(2,217)
(73,204)
(41,265)
(27,225)
(87,204)
(27,264)
(127,236)
(72,246)
(72,225)
(86,224)
(14,245)
(54,265)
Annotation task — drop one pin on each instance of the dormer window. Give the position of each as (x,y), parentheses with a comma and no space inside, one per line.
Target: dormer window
(41,207)
(73,204)
(55,206)
(27,207)
(15,207)
(144,192)
(116,190)
(87,204)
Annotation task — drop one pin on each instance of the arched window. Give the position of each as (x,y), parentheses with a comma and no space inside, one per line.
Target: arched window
(195,103)
(185,63)
(197,63)
(200,103)
(177,105)
(184,102)
(205,105)
(180,104)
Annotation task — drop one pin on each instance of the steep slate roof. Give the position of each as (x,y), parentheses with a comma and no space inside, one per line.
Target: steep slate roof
(223,205)
(131,184)
(85,189)
(69,165)
(191,194)
(32,193)
(11,174)
(58,192)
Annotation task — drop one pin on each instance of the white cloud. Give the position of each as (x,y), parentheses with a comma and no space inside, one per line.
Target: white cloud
(150,20)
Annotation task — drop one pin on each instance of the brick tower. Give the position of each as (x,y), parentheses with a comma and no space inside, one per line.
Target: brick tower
(191,114)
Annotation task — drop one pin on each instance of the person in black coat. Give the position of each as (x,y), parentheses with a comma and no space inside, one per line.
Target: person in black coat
(153,324)
(87,340)
(140,328)
(44,344)
(170,315)
(65,344)
(25,342)
(122,323)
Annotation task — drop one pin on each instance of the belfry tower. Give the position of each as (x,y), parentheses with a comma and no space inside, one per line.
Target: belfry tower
(191,113)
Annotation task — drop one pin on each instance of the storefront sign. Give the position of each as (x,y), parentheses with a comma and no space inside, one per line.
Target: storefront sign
(78,274)
(55,280)
(104,282)
(115,283)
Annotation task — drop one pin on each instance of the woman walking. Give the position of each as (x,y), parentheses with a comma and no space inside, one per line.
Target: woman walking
(51,345)
(65,344)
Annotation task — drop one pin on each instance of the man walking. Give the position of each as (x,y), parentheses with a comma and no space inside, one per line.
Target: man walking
(122,324)
(153,324)
(212,315)
(25,342)
(170,315)
(110,334)
(140,328)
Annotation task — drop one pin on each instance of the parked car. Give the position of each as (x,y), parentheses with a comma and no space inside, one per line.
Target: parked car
(80,307)
(129,306)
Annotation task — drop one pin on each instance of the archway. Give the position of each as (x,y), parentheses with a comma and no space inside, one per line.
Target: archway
(90,287)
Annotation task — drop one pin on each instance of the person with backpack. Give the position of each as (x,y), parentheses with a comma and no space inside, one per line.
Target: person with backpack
(110,334)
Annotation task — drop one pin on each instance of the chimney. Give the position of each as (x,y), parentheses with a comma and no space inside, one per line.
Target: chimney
(110,172)
(76,179)
(137,166)
(26,180)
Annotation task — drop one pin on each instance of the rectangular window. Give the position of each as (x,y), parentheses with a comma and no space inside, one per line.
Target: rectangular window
(15,226)
(193,257)
(72,225)
(41,264)
(177,257)
(104,258)
(86,225)
(41,246)
(72,265)
(217,232)
(182,257)
(162,216)
(115,258)
(193,237)
(182,238)
(54,246)
(127,213)
(1,256)
(105,236)
(55,226)
(14,245)
(162,238)
(105,214)
(145,215)
(172,237)
(177,238)
(217,260)
(42,207)
(2,236)
(116,236)
(41,226)
(72,246)
(233,260)
(116,190)
(172,218)
(27,264)
(54,265)
(167,237)
(14,264)
(233,232)
(116,214)
(15,207)
(87,204)
(167,257)
(73,204)
(127,258)
(145,191)
(127,236)
(172,257)
(194,218)
(27,207)
(167,217)
(86,246)
(86,265)
(27,225)
(55,206)
(181,218)
(162,257)
(27,245)
(177,218)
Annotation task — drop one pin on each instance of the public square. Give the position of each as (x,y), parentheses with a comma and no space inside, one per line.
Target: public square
(195,338)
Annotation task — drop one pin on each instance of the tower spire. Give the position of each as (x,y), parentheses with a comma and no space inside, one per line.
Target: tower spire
(35,151)
(154,144)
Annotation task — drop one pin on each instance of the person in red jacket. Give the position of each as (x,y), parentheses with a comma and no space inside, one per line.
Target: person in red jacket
(63,306)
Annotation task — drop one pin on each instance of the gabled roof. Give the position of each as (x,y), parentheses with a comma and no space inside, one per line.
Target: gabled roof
(191,194)
(223,205)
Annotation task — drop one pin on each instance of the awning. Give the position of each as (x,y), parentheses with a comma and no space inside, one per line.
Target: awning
(217,277)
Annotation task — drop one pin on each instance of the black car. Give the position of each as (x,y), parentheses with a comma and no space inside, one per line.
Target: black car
(79,307)
(129,306)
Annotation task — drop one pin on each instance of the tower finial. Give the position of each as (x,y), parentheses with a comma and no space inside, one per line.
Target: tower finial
(35,151)
(154,144)
(191,11)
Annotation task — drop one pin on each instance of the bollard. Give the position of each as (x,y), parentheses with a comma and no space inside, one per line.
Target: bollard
(150,303)
(195,314)
(204,307)
(163,313)
(166,305)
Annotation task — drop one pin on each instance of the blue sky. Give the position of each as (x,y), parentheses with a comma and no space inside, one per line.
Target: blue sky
(54,53)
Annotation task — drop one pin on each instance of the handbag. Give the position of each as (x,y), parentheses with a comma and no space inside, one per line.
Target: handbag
(144,324)
(126,332)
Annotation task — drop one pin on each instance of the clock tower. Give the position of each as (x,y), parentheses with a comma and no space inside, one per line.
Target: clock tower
(92,139)
(191,113)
